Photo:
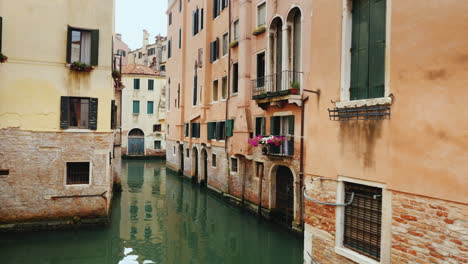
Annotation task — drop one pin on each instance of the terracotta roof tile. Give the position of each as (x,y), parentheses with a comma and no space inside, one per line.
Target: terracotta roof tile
(138,69)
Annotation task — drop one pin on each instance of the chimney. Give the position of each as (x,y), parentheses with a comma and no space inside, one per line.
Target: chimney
(145,38)
(118,36)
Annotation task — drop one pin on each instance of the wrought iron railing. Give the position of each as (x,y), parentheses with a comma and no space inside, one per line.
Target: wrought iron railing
(285,149)
(277,84)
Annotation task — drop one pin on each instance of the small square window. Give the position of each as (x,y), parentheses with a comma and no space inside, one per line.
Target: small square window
(234,164)
(157,128)
(157,144)
(78,173)
(213,160)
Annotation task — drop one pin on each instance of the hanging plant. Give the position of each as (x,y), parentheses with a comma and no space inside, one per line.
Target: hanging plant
(3,58)
(81,67)
(234,44)
(117,76)
(271,140)
(259,30)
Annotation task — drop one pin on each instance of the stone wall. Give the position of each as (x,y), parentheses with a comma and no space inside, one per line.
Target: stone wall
(423,230)
(37,172)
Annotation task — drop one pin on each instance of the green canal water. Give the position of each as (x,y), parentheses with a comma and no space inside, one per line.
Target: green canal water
(160,218)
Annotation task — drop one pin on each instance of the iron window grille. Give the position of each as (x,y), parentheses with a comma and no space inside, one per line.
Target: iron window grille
(234,165)
(363,220)
(78,173)
(213,160)
(376,112)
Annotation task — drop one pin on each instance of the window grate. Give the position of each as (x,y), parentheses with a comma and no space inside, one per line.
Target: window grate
(363,220)
(376,112)
(78,173)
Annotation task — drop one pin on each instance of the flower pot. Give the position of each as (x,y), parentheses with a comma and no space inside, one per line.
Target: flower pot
(294,90)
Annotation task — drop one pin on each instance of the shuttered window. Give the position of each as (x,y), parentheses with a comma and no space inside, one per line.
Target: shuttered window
(78,112)
(236,30)
(229,128)
(221,130)
(150,107)
(82,46)
(214,50)
(235,78)
(150,85)
(363,220)
(136,84)
(261,15)
(260,126)
(186,129)
(136,107)
(195,90)
(216,8)
(195,130)
(368,49)
(283,126)
(211,126)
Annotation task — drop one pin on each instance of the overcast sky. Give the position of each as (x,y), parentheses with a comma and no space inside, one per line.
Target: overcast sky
(132,16)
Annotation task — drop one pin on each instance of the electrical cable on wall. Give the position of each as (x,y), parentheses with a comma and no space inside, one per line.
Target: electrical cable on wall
(325,203)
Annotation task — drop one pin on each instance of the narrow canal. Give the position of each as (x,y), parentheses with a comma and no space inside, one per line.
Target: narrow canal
(160,218)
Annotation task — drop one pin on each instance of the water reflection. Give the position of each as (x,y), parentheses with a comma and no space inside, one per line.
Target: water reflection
(160,218)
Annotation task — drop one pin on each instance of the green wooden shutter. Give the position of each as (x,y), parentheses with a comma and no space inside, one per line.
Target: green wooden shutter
(150,84)
(275,125)
(211,130)
(377,48)
(360,51)
(150,107)
(263,131)
(291,134)
(136,107)
(230,127)
(1,26)
(94,47)
(93,113)
(64,112)
(69,40)
(136,84)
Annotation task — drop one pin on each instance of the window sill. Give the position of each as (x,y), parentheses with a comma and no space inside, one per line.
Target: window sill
(74,130)
(354,256)
(364,102)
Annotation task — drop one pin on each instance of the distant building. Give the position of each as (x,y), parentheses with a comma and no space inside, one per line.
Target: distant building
(121,48)
(151,55)
(143,111)
(57,124)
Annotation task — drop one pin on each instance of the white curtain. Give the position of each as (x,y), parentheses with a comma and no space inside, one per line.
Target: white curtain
(86,47)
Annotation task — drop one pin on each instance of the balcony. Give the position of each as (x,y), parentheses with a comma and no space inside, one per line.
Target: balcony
(284,86)
(286,149)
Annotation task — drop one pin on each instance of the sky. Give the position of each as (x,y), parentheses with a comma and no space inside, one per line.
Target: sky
(132,16)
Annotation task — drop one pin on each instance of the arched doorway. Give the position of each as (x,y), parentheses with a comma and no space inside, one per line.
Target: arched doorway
(195,164)
(204,167)
(294,44)
(285,194)
(136,142)
(181,159)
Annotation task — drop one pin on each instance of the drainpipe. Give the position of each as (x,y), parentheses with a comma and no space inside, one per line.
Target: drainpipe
(228,97)
(260,187)
(301,163)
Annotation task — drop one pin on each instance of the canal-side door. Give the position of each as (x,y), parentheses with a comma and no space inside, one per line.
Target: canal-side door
(285,193)
(136,142)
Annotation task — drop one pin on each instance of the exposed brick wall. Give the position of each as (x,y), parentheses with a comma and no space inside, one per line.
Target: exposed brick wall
(37,164)
(321,216)
(426,230)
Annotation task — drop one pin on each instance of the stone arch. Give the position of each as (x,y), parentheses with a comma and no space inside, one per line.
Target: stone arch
(294,22)
(136,142)
(273,199)
(204,167)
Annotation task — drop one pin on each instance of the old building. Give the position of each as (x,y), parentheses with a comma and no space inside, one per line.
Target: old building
(153,55)
(121,48)
(368,97)
(143,111)
(56,92)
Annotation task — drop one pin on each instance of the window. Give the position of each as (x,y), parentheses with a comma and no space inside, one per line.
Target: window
(200,57)
(170,18)
(121,53)
(136,84)
(234,164)
(157,128)
(224,4)
(78,112)
(236,30)
(168,105)
(136,107)
(225,44)
(261,14)
(150,108)
(235,77)
(368,49)
(195,130)
(140,55)
(169,48)
(201,18)
(213,160)
(283,126)
(180,6)
(113,115)
(216,8)
(260,126)
(168,130)
(224,87)
(259,169)
(157,144)
(261,69)
(195,22)
(229,128)
(214,50)
(215,90)
(221,130)
(151,51)
(188,152)
(78,173)
(363,219)
(195,89)
(83,46)
(211,130)
(180,38)
(151,85)
(186,129)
